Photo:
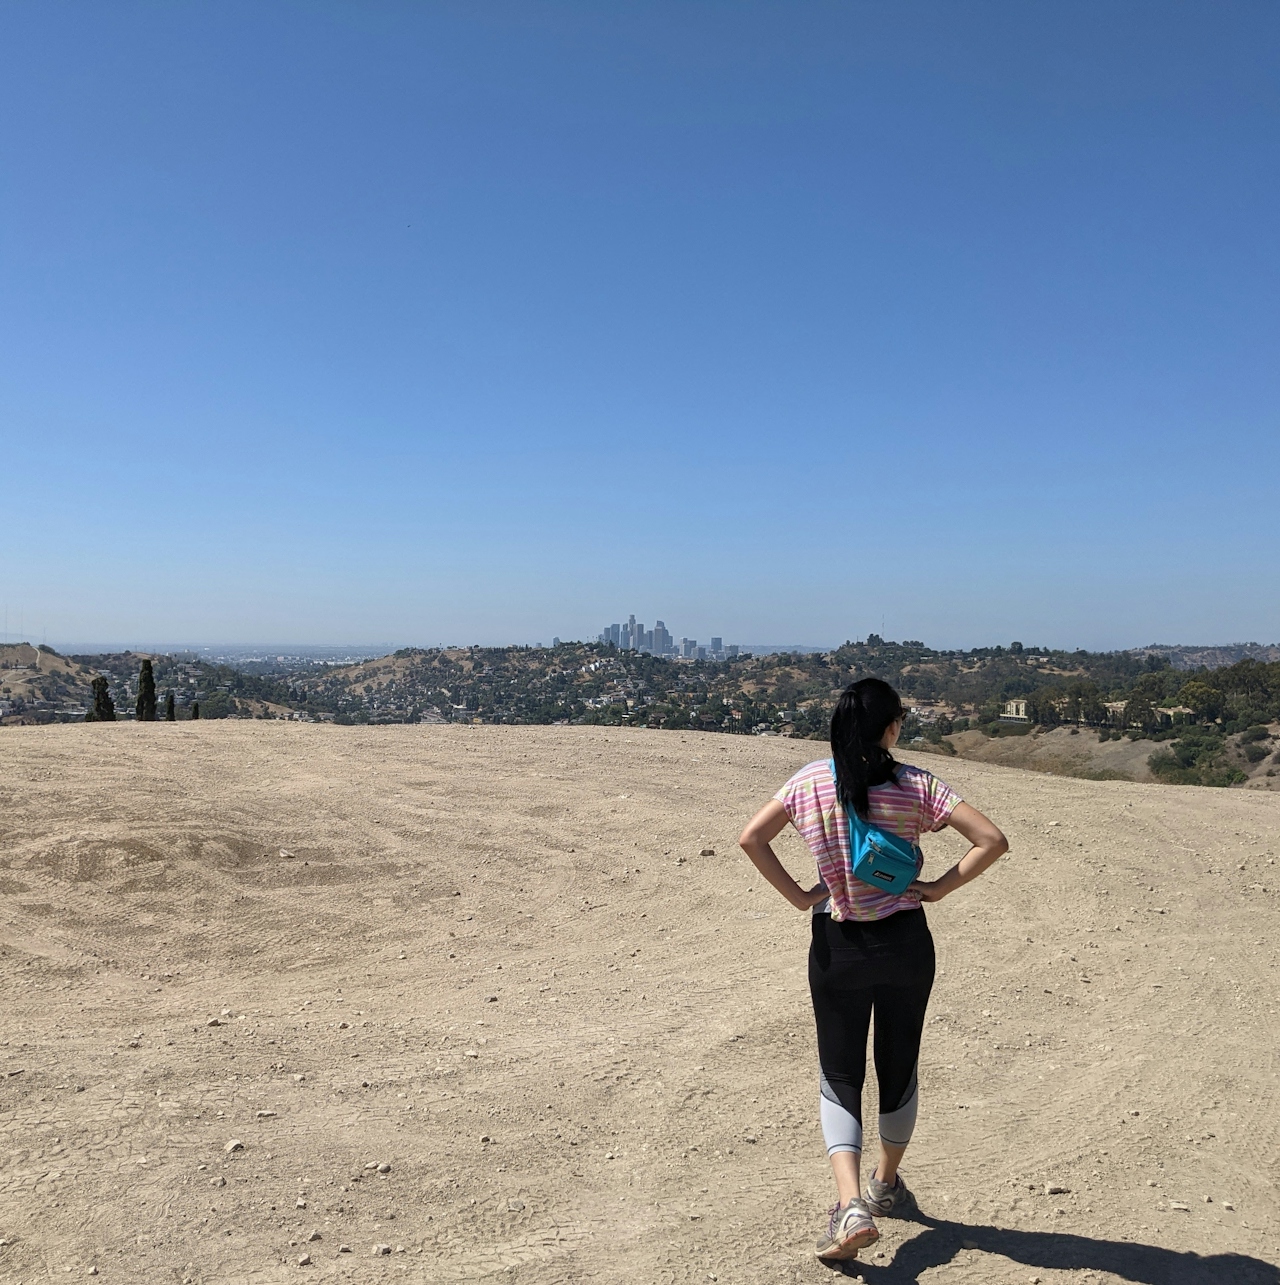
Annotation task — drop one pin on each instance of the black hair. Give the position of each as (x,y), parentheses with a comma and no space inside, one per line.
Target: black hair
(861,716)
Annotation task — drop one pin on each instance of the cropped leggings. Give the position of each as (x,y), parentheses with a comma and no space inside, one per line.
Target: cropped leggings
(881,967)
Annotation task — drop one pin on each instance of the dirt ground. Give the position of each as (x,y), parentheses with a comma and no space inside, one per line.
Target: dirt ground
(242,962)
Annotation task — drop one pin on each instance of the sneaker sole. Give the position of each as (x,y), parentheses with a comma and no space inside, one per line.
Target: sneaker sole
(848,1248)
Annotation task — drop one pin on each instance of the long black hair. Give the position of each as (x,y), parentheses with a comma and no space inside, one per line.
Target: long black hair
(861,717)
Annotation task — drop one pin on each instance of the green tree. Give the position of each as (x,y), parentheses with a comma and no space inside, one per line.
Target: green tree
(145,708)
(1139,712)
(170,714)
(1202,699)
(1043,707)
(220,705)
(104,708)
(195,709)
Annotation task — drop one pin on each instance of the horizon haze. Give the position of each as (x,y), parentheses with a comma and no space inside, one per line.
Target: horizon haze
(342,652)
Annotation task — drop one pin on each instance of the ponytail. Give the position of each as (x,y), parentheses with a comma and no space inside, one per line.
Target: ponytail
(861,717)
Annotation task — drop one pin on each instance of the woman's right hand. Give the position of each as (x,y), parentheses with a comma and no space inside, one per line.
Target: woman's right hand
(761,830)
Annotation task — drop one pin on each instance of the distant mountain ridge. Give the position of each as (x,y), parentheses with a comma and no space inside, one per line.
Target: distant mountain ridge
(1219,657)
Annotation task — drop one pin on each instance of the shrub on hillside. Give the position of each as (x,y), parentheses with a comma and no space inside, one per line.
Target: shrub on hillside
(1196,758)
(218,705)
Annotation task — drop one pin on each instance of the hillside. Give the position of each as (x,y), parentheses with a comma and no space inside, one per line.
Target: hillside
(785,692)
(1216,727)
(245,961)
(1065,751)
(1191,657)
(221,691)
(1223,729)
(38,686)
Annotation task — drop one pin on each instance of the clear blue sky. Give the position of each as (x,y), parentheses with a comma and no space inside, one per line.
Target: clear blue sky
(487,322)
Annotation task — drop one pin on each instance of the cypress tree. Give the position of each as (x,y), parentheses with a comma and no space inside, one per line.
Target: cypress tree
(170,714)
(145,709)
(104,709)
(195,709)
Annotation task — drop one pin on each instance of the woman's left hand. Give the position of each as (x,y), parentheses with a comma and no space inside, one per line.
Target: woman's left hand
(928,889)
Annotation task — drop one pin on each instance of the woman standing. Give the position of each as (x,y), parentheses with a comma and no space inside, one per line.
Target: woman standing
(871,950)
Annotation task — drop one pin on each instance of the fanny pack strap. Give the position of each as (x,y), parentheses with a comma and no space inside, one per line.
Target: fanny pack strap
(858,828)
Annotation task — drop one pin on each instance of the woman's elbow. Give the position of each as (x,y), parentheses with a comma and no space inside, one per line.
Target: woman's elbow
(998,844)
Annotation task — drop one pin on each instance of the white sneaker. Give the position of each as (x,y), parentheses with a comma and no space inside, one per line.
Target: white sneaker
(849,1229)
(887,1201)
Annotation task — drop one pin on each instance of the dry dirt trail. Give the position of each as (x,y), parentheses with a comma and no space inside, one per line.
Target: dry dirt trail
(495,961)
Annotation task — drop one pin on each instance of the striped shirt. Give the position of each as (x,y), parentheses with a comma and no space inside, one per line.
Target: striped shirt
(918,803)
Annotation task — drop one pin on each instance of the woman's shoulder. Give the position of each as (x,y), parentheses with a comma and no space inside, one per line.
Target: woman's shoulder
(918,778)
(806,789)
(910,772)
(930,792)
(816,773)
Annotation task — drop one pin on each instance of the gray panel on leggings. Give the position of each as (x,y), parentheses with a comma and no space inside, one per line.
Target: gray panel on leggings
(896,1127)
(840,1130)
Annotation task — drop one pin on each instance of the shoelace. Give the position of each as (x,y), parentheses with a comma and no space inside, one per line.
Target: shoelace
(833,1218)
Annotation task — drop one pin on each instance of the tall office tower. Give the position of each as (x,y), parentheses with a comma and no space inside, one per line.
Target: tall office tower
(688,646)
(624,640)
(555,642)
(699,653)
(731,650)
(661,640)
(615,634)
(717,644)
(637,636)
(648,641)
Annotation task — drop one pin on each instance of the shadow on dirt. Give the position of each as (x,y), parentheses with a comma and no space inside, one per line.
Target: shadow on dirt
(1143,1264)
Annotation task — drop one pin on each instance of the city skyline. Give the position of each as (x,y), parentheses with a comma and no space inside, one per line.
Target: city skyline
(658,641)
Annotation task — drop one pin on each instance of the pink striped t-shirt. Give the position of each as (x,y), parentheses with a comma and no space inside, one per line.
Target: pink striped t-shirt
(918,803)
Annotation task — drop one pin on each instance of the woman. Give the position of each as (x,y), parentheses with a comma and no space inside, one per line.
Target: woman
(871,950)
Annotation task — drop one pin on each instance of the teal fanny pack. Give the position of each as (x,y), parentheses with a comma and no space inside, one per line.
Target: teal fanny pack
(879,858)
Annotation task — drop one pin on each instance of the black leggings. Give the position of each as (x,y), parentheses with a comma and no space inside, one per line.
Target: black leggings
(880,966)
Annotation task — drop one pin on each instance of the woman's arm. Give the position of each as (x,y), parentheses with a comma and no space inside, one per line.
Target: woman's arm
(989,845)
(761,830)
